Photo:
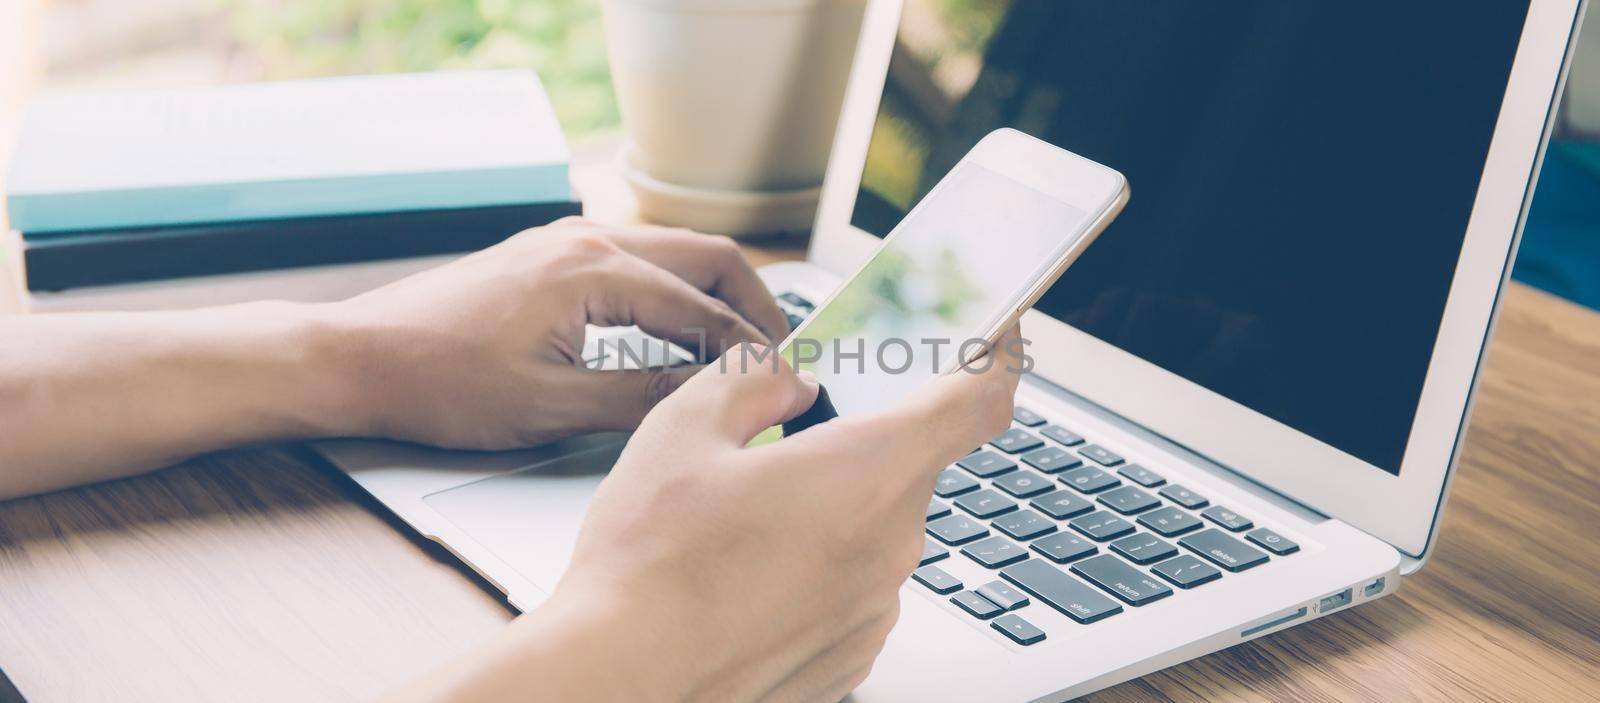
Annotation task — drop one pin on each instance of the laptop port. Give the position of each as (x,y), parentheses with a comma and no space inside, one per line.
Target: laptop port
(1274,622)
(1335,601)
(1373,588)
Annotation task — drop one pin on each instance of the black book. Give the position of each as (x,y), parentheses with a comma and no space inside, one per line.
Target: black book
(65,260)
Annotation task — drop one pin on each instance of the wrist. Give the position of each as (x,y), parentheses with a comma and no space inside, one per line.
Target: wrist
(563,651)
(605,648)
(330,374)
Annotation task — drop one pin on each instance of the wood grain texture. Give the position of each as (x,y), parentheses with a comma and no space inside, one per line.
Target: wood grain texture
(249,575)
(262,574)
(1508,607)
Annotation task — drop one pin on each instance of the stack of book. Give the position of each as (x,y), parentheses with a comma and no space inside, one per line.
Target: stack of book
(302,190)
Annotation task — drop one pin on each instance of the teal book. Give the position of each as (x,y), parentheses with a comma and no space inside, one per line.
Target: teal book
(290,149)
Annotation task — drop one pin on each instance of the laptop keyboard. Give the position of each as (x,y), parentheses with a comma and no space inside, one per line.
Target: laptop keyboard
(1070,525)
(795,307)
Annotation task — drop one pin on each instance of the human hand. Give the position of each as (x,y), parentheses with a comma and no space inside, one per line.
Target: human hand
(483,352)
(715,571)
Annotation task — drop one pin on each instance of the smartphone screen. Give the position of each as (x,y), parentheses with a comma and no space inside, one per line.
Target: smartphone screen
(946,275)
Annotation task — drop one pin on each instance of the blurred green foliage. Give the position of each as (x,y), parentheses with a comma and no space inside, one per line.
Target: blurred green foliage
(561,39)
(904,133)
(898,153)
(875,302)
(969,23)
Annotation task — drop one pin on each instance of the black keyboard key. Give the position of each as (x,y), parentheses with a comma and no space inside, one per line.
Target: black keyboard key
(931,552)
(1227,518)
(957,529)
(1014,440)
(976,605)
(985,504)
(797,301)
(1064,547)
(1020,631)
(1102,525)
(1024,484)
(1184,497)
(1024,525)
(1056,589)
(1089,479)
(995,552)
(1100,455)
(1128,584)
(1169,521)
(1026,417)
(1223,550)
(936,510)
(1062,504)
(1186,571)
(1128,500)
(953,483)
(1062,435)
(1002,594)
(1141,548)
(1141,475)
(1052,459)
(937,580)
(1272,541)
(986,463)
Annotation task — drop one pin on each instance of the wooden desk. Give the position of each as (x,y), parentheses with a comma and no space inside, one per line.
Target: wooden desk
(261,574)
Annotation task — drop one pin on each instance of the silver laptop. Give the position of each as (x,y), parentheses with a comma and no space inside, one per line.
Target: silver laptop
(1249,393)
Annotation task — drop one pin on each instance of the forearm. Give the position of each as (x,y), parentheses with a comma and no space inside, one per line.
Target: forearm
(87,397)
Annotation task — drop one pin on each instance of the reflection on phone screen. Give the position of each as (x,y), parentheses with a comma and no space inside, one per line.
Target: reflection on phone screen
(947,274)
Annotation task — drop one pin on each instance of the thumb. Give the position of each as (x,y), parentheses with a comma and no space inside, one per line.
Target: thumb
(943,420)
(744,392)
(627,396)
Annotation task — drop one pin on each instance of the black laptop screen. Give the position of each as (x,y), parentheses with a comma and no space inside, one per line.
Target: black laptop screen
(1302,174)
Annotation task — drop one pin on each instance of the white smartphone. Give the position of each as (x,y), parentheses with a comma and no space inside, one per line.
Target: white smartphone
(958,271)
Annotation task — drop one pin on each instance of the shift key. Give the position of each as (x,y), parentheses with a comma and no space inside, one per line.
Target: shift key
(1060,591)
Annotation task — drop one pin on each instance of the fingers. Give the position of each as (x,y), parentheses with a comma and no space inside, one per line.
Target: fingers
(743,393)
(628,395)
(710,263)
(965,408)
(938,424)
(631,291)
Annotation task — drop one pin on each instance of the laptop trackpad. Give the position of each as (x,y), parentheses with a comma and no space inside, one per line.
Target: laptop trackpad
(529,518)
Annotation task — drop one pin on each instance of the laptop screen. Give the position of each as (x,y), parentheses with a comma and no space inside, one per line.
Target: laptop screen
(1302,174)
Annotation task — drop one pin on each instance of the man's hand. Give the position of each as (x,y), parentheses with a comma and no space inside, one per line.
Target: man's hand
(483,353)
(712,571)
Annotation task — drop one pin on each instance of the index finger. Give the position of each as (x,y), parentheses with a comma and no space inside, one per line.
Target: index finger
(711,263)
(636,292)
(963,409)
(932,428)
